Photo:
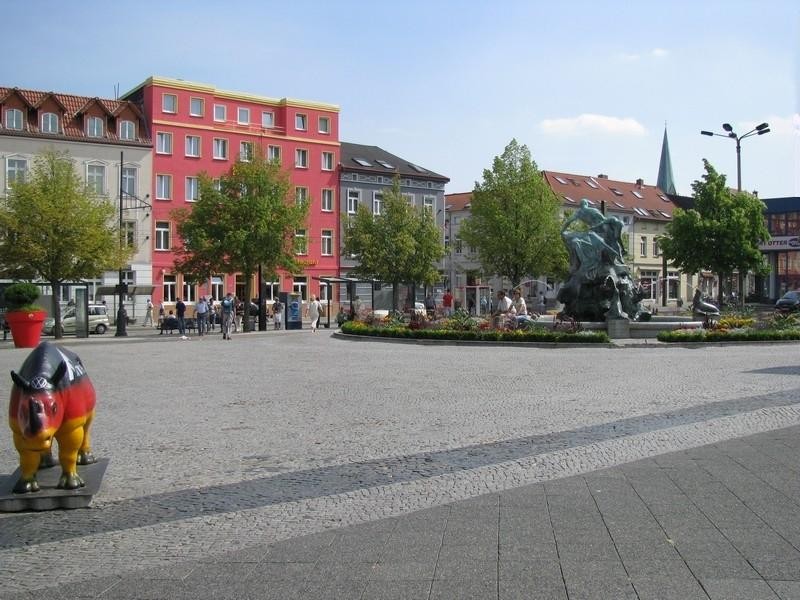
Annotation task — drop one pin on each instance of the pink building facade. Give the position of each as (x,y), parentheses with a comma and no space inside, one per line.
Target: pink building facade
(198,128)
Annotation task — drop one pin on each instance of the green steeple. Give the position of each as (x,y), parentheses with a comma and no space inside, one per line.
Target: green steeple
(666,182)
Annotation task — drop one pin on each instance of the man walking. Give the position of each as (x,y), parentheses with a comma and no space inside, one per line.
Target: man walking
(148,314)
(228,306)
(201,313)
(180,313)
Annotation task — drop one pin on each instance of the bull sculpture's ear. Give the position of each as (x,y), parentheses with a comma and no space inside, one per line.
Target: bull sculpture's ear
(60,370)
(19,381)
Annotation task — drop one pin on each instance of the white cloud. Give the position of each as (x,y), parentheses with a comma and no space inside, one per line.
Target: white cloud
(628,57)
(634,56)
(777,125)
(592,124)
(659,52)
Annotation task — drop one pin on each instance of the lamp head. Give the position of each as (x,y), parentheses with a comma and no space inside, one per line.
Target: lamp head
(727,127)
(762,127)
(763,131)
(706,133)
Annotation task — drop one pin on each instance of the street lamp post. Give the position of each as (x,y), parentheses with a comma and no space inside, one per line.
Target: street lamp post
(731,134)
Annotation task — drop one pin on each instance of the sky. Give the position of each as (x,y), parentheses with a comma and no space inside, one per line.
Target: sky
(588,86)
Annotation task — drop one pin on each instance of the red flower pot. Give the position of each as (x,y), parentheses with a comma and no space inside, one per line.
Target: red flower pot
(26,327)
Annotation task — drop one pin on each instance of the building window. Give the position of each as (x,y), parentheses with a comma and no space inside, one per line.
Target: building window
(353,199)
(220,148)
(643,246)
(410,199)
(192,189)
(301,158)
(162,236)
(655,247)
(163,143)
(170,284)
(243,116)
(129,233)
(324,125)
(326,242)
(127,130)
(301,242)
(217,184)
(49,123)
(14,119)
(163,187)
(301,195)
(15,170)
(169,103)
(129,180)
(94,127)
(274,153)
(193,145)
(326,203)
(96,179)
(327,161)
(272,288)
(245,151)
(377,203)
(217,288)
(189,291)
(649,283)
(267,119)
(300,286)
(220,113)
(196,107)
(300,122)
(428,202)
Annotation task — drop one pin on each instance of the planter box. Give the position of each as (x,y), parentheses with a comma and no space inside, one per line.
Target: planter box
(26,327)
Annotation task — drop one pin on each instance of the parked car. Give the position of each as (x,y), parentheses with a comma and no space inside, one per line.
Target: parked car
(98,320)
(789,302)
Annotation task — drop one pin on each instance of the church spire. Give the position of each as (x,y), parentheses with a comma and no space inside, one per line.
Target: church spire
(666,182)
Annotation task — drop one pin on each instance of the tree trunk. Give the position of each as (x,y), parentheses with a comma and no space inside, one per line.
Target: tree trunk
(56,305)
(721,277)
(248,292)
(395,295)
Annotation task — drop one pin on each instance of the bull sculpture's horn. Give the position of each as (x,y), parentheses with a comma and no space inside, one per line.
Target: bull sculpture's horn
(60,370)
(19,381)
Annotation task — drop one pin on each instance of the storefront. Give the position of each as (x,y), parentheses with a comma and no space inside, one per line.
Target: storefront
(782,250)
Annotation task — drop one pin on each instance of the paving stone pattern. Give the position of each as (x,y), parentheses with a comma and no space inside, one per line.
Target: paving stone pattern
(288,465)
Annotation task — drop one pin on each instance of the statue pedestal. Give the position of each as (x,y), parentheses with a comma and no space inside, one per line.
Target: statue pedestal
(49,497)
(618,328)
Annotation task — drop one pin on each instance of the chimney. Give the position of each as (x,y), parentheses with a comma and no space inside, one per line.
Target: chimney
(755,193)
(602,176)
(639,183)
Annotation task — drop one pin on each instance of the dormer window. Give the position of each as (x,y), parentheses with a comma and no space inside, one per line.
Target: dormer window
(94,127)
(14,119)
(49,123)
(127,130)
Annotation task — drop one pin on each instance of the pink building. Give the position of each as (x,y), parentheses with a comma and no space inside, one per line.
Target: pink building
(197,127)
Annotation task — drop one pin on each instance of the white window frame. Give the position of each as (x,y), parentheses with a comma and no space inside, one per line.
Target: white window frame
(301,158)
(245,151)
(192,189)
(656,252)
(377,203)
(300,286)
(92,124)
(274,153)
(267,119)
(49,123)
(224,108)
(19,173)
(327,161)
(410,198)
(129,180)
(324,130)
(217,287)
(643,246)
(189,147)
(163,186)
(163,142)
(189,291)
(428,202)
(14,119)
(326,200)
(164,98)
(192,111)
(162,234)
(170,287)
(92,181)
(127,130)
(301,234)
(301,122)
(129,233)
(301,194)
(220,149)
(326,242)
(240,111)
(353,200)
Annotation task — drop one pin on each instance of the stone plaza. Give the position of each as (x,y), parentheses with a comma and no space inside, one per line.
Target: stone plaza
(291,465)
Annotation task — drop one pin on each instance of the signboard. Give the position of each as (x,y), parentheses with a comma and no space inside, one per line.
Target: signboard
(781,242)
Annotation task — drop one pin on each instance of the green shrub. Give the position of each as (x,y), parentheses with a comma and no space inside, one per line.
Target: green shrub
(21,296)
(743,335)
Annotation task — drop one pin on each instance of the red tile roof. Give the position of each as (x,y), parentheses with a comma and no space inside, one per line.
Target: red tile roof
(458,201)
(74,106)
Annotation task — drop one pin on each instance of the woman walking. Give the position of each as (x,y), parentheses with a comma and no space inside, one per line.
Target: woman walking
(314,311)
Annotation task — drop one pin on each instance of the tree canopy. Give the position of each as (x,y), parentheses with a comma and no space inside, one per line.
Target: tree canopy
(402,244)
(721,233)
(55,228)
(250,221)
(515,220)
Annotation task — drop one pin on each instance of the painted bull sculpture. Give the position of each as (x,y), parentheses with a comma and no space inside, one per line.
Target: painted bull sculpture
(52,397)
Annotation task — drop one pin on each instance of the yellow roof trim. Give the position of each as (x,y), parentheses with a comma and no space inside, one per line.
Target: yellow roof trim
(210,89)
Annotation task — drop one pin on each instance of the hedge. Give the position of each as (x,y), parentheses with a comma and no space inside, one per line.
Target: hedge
(743,335)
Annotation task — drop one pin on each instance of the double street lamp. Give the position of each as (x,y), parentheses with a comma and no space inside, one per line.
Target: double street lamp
(730,133)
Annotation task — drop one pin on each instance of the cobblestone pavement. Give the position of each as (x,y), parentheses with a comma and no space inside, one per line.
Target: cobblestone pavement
(287,464)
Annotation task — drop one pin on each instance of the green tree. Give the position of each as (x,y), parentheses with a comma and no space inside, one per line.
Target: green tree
(399,245)
(720,234)
(57,229)
(515,222)
(249,222)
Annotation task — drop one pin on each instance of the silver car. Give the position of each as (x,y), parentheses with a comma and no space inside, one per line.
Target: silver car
(98,320)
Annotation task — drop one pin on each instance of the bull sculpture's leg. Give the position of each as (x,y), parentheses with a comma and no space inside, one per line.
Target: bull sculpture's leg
(85,456)
(47,458)
(69,442)
(28,465)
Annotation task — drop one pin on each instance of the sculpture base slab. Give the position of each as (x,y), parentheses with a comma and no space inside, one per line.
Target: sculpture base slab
(49,497)
(618,328)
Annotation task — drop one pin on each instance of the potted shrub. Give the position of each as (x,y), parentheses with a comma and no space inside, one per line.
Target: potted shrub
(24,318)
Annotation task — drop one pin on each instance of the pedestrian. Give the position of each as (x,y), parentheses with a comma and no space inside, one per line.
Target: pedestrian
(277,313)
(228,308)
(180,313)
(314,311)
(201,314)
(430,305)
(161,314)
(148,314)
(447,302)
(541,306)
